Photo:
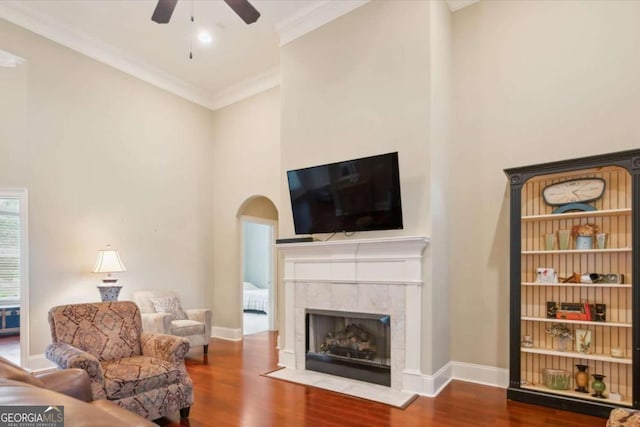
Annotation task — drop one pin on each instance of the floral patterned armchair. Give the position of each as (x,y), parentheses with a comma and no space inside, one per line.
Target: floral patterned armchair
(140,371)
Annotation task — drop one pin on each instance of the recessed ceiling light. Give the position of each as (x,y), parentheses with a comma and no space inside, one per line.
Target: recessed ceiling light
(205,37)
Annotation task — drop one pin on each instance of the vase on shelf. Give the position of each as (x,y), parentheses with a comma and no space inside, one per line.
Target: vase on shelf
(564,343)
(563,239)
(584,242)
(582,379)
(598,386)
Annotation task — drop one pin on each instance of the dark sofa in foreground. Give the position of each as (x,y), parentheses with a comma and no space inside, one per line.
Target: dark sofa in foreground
(69,388)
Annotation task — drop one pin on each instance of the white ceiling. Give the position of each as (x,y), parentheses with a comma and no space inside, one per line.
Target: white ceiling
(241,60)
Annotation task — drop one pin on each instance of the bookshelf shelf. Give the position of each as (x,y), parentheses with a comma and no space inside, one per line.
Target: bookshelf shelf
(576,355)
(575,394)
(578,322)
(577,251)
(578,215)
(581,285)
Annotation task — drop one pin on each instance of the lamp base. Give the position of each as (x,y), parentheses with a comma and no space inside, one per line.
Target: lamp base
(109,292)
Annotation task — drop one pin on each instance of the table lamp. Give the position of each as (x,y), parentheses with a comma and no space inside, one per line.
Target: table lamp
(109,262)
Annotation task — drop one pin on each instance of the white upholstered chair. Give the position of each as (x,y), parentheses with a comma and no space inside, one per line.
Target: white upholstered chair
(159,315)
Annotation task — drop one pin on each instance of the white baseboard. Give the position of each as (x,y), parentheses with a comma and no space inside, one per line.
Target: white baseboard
(487,375)
(432,385)
(230,334)
(287,358)
(39,363)
(426,385)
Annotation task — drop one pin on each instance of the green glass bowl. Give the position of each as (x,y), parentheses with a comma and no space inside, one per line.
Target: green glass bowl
(556,379)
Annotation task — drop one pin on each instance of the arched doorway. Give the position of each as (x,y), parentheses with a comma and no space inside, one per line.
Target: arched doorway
(258,218)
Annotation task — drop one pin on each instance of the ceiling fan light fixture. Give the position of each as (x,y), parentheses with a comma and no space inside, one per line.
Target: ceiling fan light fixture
(242,8)
(205,37)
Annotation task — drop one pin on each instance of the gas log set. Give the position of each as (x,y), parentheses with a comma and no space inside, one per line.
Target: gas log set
(353,341)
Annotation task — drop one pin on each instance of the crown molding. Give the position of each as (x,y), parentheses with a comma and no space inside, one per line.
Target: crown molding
(459,4)
(10,60)
(264,81)
(103,52)
(308,20)
(314,17)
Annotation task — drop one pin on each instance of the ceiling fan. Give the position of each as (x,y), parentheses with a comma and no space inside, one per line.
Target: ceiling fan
(244,9)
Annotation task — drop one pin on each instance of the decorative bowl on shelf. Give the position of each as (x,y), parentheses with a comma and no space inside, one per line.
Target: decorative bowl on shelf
(556,379)
(617,352)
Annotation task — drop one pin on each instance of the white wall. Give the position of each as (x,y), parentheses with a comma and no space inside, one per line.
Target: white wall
(533,81)
(436,347)
(360,86)
(106,159)
(13,124)
(246,163)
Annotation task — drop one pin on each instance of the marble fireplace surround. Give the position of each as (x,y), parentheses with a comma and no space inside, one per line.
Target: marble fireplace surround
(381,276)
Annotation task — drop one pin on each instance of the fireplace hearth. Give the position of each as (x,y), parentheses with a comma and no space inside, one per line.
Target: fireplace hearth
(350,345)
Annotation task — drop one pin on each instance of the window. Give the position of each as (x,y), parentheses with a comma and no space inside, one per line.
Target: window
(9,250)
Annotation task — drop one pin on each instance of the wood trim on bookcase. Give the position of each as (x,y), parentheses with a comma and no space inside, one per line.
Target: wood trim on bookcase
(597,409)
(629,160)
(515,279)
(635,274)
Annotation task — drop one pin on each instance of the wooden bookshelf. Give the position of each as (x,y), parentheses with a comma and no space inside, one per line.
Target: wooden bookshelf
(616,214)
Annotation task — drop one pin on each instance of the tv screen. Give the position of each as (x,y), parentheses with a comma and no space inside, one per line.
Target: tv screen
(354,195)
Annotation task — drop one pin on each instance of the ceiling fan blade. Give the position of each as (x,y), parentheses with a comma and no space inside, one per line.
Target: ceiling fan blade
(164,10)
(244,9)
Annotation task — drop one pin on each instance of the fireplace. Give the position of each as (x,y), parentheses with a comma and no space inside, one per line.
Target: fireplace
(370,283)
(349,345)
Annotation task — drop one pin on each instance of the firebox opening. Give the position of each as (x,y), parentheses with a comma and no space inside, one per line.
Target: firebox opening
(350,345)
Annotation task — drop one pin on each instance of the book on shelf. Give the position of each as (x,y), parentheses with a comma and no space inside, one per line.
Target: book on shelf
(571,311)
(572,306)
(577,311)
(587,309)
(570,315)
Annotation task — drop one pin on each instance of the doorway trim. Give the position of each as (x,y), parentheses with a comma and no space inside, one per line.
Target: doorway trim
(22,196)
(273,289)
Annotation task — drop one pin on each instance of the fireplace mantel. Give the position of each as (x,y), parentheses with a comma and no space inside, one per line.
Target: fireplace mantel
(381,275)
(394,260)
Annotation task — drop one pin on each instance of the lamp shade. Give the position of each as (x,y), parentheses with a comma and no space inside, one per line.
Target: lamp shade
(108,261)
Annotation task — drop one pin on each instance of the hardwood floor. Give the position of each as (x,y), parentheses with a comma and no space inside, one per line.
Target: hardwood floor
(230,391)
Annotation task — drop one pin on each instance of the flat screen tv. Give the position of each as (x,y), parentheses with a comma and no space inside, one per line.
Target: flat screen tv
(354,195)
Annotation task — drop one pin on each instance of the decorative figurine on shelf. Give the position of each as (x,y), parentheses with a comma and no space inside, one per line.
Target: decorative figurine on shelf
(552,309)
(527,341)
(598,386)
(593,278)
(582,379)
(546,275)
(583,234)
(599,312)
